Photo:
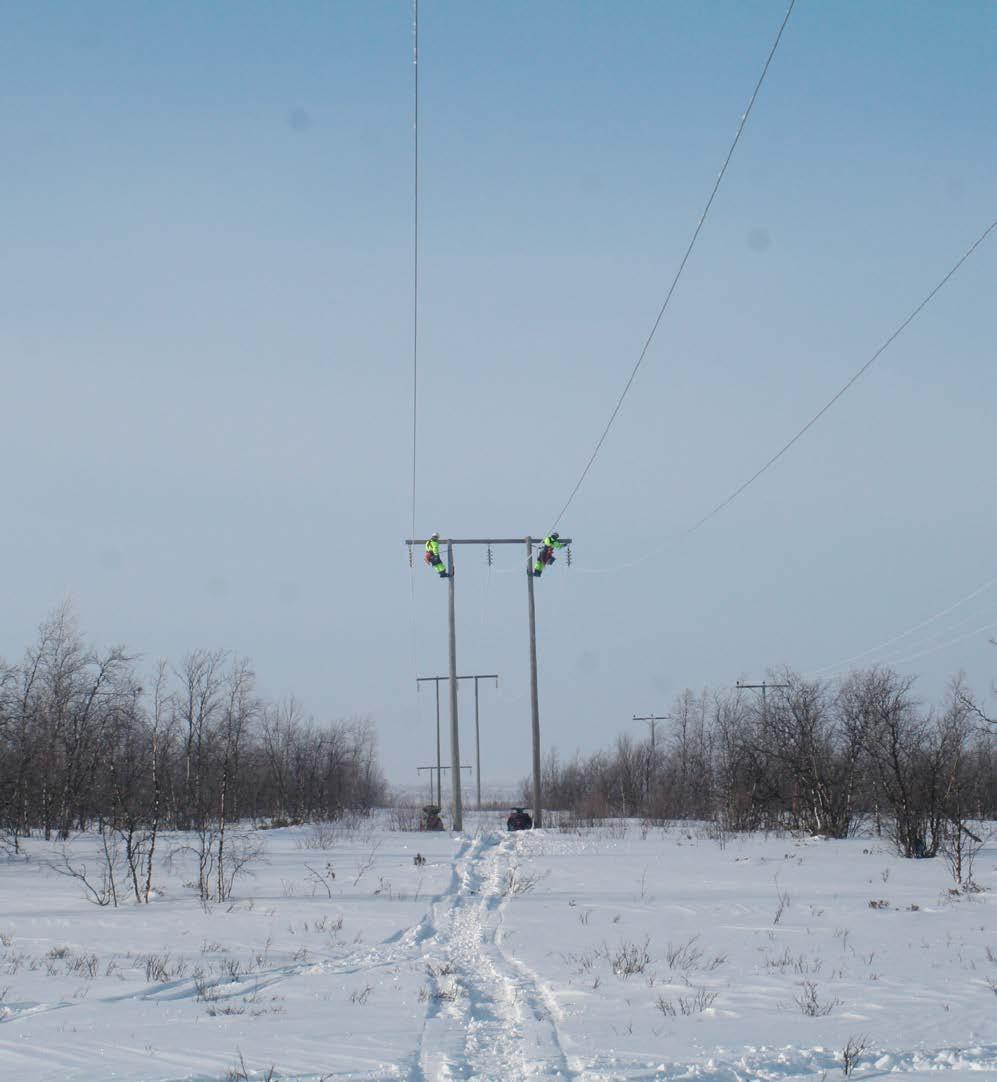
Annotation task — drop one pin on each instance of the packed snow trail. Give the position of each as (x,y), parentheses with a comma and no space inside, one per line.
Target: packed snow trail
(489,1016)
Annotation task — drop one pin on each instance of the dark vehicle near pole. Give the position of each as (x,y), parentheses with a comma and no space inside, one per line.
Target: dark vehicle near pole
(519,819)
(431,817)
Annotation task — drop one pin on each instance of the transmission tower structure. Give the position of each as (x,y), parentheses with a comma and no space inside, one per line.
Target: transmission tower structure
(763,686)
(528,542)
(477,727)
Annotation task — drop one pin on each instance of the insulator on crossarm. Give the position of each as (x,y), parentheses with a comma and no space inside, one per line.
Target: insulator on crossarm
(488,555)
(568,555)
(410,556)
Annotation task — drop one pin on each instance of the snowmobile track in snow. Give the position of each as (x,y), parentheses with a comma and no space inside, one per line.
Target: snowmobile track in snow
(489,1016)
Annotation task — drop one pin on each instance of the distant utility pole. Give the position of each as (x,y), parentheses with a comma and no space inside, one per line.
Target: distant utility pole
(534,697)
(420,769)
(763,685)
(477,732)
(652,772)
(651,719)
(439,765)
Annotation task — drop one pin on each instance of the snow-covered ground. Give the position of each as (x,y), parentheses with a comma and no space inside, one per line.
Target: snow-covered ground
(610,953)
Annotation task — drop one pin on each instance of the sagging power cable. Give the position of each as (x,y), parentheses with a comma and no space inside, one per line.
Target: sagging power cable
(868,364)
(650,553)
(681,267)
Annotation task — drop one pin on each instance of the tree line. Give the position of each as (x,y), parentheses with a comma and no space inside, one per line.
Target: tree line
(813,756)
(87,741)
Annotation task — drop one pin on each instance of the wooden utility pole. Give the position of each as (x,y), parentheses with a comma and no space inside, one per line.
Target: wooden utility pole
(651,719)
(458,806)
(763,685)
(439,760)
(477,730)
(534,696)
(437,768)
(652,772)
(534,693)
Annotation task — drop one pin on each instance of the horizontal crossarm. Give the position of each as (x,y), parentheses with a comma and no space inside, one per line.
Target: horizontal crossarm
(486,540)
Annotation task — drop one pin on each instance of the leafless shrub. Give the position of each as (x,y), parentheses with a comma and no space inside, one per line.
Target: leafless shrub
(851,1052)
(240,1073)
(231,968)
(367,864)
(960,846)
(13,962)
(213,1010)
(322,835)
(405,817)
(99,885)
(685,956)
(782,898)
(445,993)
(85,964)
(360,995)
(879,903)
(321,879)
(519,882)
(700,1001)
(205,989)
(584,962)
(631,958)
(803,967)
(158,968)
(810,1003)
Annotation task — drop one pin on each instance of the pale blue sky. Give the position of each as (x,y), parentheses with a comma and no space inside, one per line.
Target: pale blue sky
(206,275)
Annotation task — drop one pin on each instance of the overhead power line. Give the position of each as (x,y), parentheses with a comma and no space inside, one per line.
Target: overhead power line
(903,634)
(415,260)
(681,267)
(934,649)
(868,364)
(650,553)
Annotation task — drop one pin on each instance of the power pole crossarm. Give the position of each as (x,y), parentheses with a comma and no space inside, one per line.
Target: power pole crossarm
(478,541)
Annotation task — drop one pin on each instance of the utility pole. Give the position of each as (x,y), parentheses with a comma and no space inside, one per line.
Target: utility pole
(763,685)
(651,719)
(534,693)
(420,769)
(458,806)
(439,767)
(477,731)
(534,697)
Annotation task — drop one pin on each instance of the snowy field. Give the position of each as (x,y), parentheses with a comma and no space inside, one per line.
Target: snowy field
(609,953)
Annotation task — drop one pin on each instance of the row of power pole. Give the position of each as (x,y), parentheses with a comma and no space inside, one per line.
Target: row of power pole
(419,681)
(455,764)
(652,719)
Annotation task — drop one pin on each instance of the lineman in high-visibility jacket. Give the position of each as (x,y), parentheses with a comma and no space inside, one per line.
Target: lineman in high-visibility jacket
(433,556)
(546,554)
